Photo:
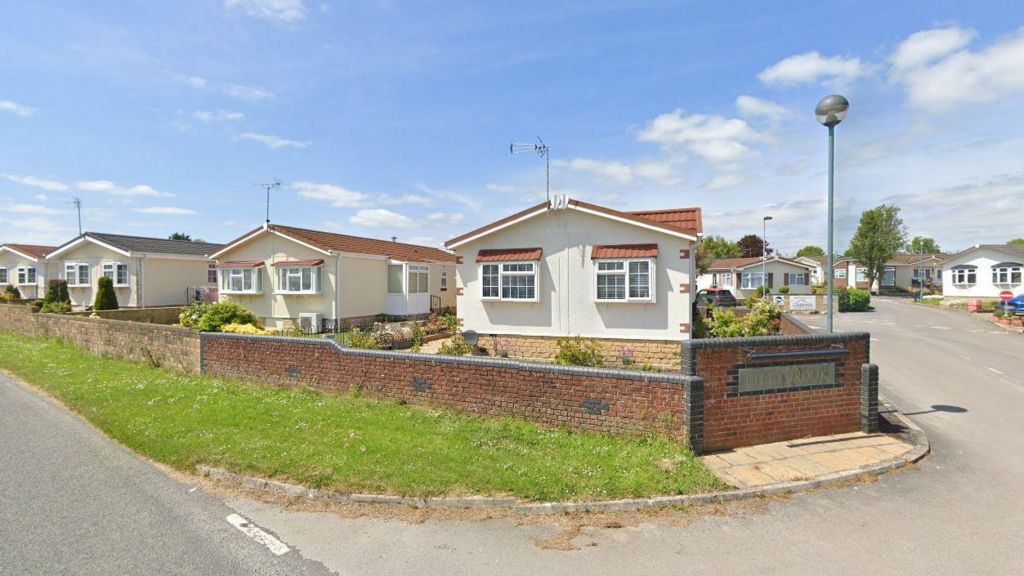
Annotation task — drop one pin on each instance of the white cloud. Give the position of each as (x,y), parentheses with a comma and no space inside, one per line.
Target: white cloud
(196,81)
(51,185)
(108,187)
(751,106)
(959,77)
(604,170)
(37,230)
(165,210)
(274,142)
(29,209)
(250,93)
(382,218)
(337,196)
(448,218)
(661,173)
(217,115)
(279,10)
(812,67)
(18,109)
(715,138)
(40,197)
(414,199)
(721,181)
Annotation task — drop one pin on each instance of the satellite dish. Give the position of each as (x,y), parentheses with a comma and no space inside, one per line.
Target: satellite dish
(471,337)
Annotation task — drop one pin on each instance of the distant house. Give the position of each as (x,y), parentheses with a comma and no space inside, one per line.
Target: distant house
(574,268)
(904,271)
(146,271)
(24,266)
(744,275)
(294,277)
(983,272)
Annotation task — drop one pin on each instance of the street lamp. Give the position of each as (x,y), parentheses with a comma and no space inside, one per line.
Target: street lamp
(831,110)
(764,254)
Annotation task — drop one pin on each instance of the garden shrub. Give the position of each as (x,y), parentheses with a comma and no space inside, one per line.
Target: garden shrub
(250,329)
(192,313)
(854,300)
(55,307)
(106,298)
(842,296)
(451,323)
(762,320)
(783,289)
(417,337)
(57,291)
(12,292)
(364,340)
(578,351)
(457,346)
(221,313)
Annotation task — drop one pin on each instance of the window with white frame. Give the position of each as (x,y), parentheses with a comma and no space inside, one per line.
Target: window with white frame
(965,276)
(298,280)
(241,281)
(752,280)
(624,280)
(514,281)
(1006,275)
(76,274)
(211,274)
(723,279)
(26,275)
(840,273)
(394,278)
(3,275)
(799,279)
(862,275)
(889,276)
(419,279)
(444,280)
(116,271)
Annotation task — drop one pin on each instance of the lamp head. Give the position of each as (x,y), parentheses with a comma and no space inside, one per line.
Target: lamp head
(831,110)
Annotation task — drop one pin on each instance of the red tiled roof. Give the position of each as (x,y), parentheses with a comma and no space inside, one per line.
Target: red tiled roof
(33,250)
(508,254)
(624,251)
(688,219)
(360,245)
(317,262)
(241,264)
(730,263)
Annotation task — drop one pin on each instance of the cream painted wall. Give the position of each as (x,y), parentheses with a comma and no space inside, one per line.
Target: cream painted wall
(165,280)
(447,296)
(566,303)
(95,256)
(364,285)
(12,261)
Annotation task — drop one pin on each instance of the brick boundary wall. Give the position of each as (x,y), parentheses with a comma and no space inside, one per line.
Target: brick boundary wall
(663,354)
(589,398)
(728,418)
(166,315)
(170,346)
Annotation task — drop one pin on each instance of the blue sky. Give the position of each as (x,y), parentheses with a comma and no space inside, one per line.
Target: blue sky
(394,118)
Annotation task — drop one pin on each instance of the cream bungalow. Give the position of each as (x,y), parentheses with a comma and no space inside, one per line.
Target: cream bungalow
(904,271)
(146,271)
(24,266)
(983,272)
(572,268)
(297,277)
(744,275)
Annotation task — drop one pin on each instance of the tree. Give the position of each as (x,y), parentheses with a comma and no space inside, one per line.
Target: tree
(930,247)
(879,235)
(180,236)
(810,250)
(1016,241)
(752,245)
(106,299)
(715,248)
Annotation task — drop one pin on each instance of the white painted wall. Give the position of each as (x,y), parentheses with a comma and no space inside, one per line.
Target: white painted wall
(12,261)
(983,258)
(566,286)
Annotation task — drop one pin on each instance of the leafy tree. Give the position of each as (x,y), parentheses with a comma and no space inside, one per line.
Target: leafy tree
(810,250)
(879,235)
(1016,241)
(106,299)
(180,236)
(752,245)
(715,248)
(930,247)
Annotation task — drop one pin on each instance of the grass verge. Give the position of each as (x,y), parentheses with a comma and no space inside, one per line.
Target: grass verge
(342,442)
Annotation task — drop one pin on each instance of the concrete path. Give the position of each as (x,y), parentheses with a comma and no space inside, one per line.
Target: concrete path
(803,459)
(73,502)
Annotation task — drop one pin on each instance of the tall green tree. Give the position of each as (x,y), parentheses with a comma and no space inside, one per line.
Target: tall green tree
(715,248)
(752,245)
(180,236)
(1016,241)
(810,250)
(930,247)
(879,235)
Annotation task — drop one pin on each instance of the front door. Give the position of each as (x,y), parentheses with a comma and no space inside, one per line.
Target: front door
(418,284)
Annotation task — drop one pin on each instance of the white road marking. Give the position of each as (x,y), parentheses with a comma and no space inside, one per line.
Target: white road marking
(874,339)
(994,370)
(252,531)
(939,327)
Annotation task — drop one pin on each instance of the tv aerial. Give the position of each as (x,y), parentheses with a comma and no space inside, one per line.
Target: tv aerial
(541,149)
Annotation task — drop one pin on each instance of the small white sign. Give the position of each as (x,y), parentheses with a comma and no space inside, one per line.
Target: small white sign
(779,299)
(803,303)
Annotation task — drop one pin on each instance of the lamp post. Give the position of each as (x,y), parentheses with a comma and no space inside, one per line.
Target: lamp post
(831,110)
(764,254)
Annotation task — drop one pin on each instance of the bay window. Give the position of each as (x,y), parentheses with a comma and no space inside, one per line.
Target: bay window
(515,281)
(298,280)
(624,280)
(76,274)
(241,281)
(26,275)
(1007,273)
(116,271)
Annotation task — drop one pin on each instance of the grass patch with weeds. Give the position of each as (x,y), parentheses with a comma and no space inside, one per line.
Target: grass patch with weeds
(346,443)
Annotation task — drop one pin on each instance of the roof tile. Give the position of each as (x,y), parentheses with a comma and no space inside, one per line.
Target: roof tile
(624,251)
(508,254)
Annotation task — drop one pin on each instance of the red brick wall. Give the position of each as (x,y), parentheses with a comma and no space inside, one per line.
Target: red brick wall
(547,394)
(732,420)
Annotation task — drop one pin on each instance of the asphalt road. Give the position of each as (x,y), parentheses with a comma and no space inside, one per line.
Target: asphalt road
(71,501)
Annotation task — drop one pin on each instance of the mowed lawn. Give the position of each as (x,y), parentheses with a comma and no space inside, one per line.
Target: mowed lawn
(343,442)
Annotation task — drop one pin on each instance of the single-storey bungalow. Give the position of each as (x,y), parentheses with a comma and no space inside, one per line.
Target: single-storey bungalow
(744,275)
(294,277)
(904,271)
(146,272)
(983,272)
(569,268)
(24,266)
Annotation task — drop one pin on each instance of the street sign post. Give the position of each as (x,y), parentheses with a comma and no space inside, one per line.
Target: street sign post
(1005,295)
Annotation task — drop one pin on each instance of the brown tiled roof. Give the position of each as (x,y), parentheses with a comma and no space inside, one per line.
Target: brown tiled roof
(241,264)
(33,250)
(316,262)
(905,259)
(688,219)
(508,254)
(730,263)
(360,245)
(624,251)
